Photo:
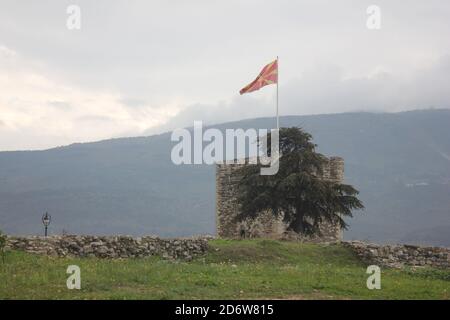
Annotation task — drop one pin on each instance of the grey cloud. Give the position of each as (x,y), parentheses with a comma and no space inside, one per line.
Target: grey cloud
(177,47)
(62,105)
(325,90)
(161,53)
(95,119)
(133,102)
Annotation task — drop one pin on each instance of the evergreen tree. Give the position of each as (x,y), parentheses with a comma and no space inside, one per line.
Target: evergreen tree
(296,192)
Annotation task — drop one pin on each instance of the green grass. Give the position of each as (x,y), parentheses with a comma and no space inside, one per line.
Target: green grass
(230,270)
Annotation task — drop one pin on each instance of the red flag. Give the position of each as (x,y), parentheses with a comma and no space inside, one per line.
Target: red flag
(268,75)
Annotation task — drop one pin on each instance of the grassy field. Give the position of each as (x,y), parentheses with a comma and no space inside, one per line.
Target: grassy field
(260,269)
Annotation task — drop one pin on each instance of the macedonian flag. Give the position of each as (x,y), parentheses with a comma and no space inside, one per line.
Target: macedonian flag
(268,75)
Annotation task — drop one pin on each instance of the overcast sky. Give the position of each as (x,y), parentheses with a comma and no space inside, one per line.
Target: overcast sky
(143,67)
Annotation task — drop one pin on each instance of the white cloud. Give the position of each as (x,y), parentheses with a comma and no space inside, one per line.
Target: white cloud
(33,106)
(149,66)
(6,53)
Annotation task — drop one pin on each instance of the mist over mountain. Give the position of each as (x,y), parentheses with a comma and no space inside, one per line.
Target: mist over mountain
(400,162)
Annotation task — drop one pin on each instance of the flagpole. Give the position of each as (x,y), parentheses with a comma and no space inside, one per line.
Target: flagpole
(278,78)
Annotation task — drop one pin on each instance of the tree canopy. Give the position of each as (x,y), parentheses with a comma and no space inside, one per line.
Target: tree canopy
(296,192)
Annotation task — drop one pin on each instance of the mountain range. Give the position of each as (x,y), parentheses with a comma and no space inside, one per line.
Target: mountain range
(400,163)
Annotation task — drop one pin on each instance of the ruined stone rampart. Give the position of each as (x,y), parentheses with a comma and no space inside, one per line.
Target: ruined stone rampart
(109,246)
(400,255)
(265,226)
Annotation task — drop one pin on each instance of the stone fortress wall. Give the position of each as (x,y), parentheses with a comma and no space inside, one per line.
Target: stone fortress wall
(110,246)
(400,255)
(114,247)
(265,226)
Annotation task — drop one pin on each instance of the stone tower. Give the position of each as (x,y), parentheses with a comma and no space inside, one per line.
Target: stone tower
(265,226)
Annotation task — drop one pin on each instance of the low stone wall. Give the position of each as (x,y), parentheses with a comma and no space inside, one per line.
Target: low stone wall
(110,246)
(397,256)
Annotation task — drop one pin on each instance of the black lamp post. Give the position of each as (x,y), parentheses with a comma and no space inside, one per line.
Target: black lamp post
(46,218)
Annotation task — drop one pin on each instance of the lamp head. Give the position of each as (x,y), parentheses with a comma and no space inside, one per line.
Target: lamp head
(46,219)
